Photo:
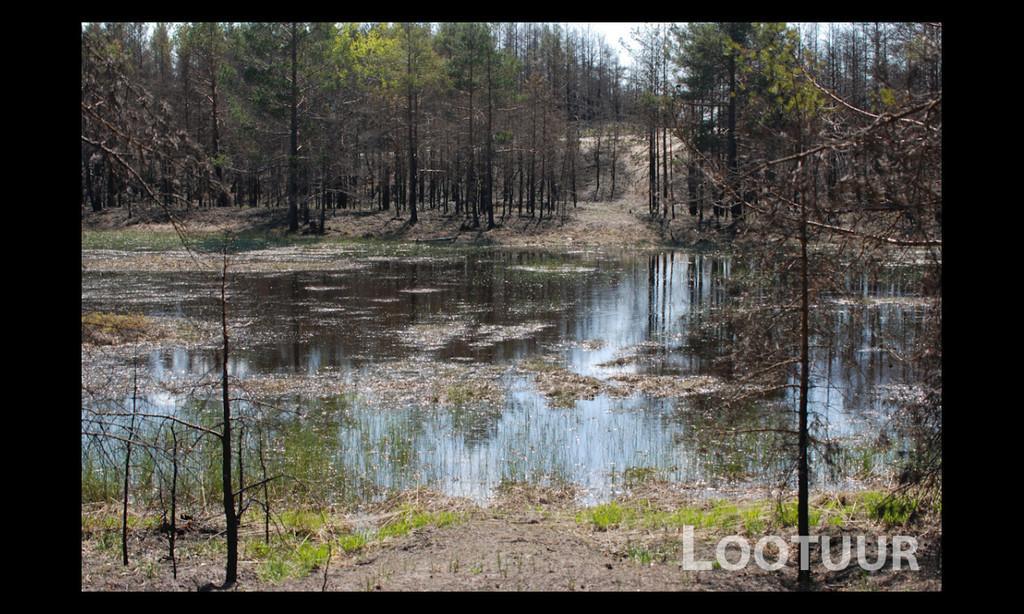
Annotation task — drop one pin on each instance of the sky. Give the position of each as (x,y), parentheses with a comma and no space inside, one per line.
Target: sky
(613,32)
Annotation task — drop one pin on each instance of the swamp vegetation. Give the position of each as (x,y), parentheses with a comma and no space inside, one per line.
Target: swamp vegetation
(298,403)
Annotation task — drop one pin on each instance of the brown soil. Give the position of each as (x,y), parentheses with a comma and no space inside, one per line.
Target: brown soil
(525,542)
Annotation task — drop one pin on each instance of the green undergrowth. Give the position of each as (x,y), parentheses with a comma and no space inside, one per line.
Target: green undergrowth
(309,540)
(300,540)
(758,517)
(98,523)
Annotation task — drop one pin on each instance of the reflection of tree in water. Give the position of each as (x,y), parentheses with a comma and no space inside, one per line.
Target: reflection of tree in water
(738,441)
(859,332)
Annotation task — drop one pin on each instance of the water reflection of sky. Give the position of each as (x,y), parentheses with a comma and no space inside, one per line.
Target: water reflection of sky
(308,323)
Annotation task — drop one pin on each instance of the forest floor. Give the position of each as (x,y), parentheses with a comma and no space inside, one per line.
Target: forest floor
(600,222)
(530,539)
(590,224)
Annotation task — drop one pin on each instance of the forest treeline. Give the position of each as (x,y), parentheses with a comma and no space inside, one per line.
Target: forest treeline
(474,117)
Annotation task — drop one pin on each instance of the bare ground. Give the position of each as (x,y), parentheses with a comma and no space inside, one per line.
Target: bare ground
(524,542)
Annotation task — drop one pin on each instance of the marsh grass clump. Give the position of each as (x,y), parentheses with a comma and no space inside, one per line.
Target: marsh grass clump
(633,476)
(460,394)
(559,385)
(540,365)
(649,554)
(109,541)
(517,494)
(102,328)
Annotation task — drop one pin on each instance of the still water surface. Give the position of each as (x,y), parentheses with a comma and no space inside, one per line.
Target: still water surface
(596,314)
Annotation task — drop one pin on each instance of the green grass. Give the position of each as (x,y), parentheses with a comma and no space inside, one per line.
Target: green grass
(352,542)
(754,518)
(130,239)
(787,515)
(603,517)
(639,554)
(288,556)
(410,518)
(287,559)
(112,522)
(646,555)
(256,549)
(302,521)
(892,510)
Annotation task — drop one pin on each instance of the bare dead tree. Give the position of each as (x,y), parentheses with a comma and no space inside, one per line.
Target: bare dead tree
(128,463)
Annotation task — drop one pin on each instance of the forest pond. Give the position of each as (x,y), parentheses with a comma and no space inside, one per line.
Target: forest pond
(459,369)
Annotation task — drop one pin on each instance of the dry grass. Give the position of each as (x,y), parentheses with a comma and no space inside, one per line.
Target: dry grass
(101,328)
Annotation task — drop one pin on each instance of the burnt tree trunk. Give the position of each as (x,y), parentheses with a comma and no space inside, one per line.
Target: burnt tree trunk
(231,569)
(293,149)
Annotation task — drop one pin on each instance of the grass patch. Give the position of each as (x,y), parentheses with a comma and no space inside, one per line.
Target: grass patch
(603,517)
(108,541)
(410,518)
(288,556)
(302,521)
(562,398)
(464,394)
(755,518)
(787,514)
(96,523)
(353,542)
(639,475)
(101,328)
(639,554)
(892,510)
(541,365)
(288,559)
(256,549)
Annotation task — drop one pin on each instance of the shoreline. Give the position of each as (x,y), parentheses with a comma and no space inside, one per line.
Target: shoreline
(530,538)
